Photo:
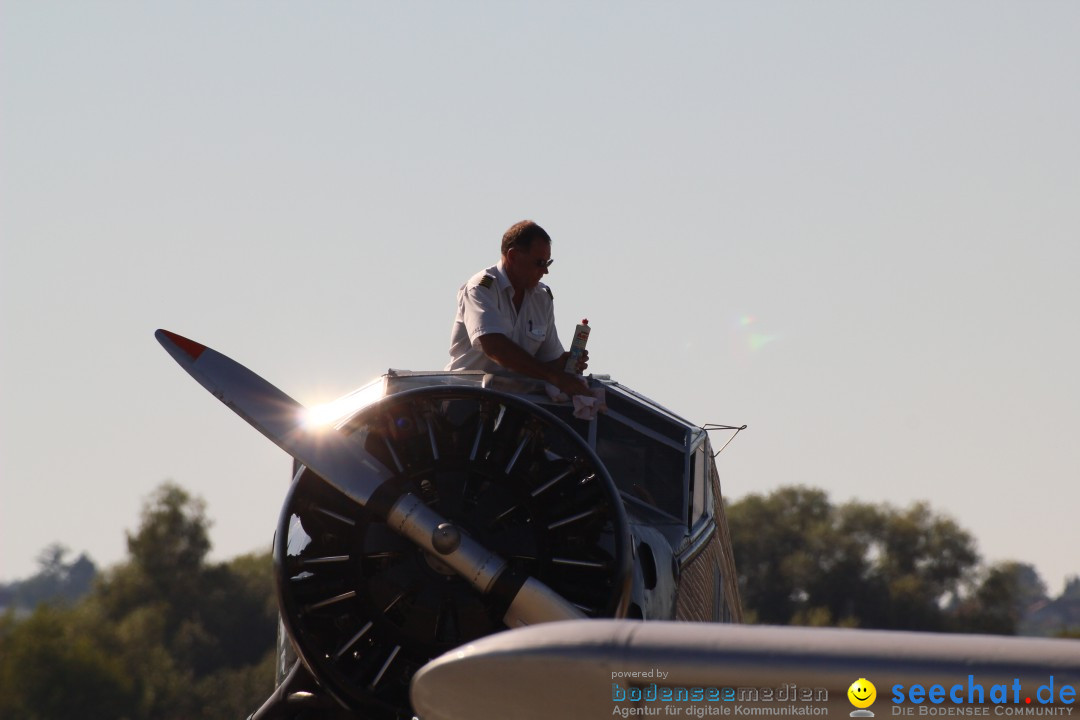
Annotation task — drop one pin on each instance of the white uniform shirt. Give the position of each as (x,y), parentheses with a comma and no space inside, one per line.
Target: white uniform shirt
(486,305)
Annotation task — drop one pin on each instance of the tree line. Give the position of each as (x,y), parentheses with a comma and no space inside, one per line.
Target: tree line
(57,580)
(168,635)
(165,635)
(803,560)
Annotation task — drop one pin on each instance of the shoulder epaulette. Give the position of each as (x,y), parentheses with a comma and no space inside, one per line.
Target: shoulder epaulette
(487,281)
(548,291)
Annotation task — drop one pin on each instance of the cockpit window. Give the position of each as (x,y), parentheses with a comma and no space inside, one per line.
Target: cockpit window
(642,467)
(637,412)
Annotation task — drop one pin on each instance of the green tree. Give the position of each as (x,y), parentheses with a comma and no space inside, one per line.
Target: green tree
(803,560)
(201,621)
(781,541)
(1001,599)
(922,563)
(172,541)
(164,636)
(53,668)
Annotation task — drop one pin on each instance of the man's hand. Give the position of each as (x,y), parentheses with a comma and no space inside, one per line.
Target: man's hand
(570,384)
(582,363)
(511,356)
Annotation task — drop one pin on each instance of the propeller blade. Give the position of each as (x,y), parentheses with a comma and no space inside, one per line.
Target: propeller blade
(344,465)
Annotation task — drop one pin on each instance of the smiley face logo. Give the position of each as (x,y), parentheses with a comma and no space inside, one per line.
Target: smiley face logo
(862,693)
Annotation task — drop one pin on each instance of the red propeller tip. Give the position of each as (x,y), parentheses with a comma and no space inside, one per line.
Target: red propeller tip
(190,347)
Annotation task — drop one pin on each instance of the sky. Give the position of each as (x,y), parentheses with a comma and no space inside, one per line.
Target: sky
(852,226)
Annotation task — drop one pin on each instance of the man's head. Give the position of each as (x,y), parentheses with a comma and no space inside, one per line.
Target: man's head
(526,252)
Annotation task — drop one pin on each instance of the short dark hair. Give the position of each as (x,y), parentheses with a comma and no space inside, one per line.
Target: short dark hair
(521,236)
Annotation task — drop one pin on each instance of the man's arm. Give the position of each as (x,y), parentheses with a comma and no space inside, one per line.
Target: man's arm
(511,356)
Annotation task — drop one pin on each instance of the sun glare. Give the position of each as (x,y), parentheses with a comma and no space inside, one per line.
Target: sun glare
(331,413)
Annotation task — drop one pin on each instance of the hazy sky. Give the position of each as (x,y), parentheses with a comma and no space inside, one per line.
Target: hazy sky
(853,226)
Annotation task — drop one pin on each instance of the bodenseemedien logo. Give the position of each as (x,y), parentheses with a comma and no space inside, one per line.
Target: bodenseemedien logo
(653,698)
(862,695)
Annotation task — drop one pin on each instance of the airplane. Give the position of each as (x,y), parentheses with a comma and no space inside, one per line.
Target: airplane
(461,545)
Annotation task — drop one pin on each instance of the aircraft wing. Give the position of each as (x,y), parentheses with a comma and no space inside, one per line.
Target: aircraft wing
(579,669)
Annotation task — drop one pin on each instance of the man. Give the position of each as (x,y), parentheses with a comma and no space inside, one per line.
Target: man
(506,317)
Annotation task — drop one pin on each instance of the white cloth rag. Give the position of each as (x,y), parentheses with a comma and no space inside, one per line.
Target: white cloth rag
(585,406)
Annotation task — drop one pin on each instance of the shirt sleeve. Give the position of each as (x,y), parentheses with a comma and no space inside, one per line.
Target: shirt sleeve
(482,314)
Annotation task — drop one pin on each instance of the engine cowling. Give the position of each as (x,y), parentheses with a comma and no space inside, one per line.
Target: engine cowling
(365,608)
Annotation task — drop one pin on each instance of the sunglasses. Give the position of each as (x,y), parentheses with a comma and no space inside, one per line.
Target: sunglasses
(539,263)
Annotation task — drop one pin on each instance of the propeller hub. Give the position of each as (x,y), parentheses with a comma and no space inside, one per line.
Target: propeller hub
(446,538)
